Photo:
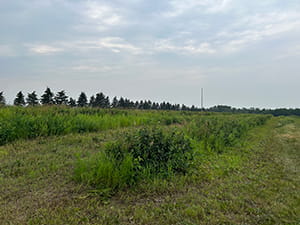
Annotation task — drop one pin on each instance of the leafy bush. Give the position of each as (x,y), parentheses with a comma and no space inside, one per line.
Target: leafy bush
(154,149)
(146,153)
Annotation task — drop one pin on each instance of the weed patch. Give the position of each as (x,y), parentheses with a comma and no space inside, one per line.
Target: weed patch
(145,154)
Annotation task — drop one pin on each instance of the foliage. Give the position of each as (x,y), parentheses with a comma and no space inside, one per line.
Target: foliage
(19,100)
(32,99)
(2,99)
(61,98)
(72,102)
(218,132)
(82,100)
(47,97)
(23,123)
(256,183)
(146,153)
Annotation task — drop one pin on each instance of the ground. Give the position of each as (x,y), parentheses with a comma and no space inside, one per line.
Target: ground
(255,182)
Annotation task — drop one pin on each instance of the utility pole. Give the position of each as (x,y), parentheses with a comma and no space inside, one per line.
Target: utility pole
(202,99)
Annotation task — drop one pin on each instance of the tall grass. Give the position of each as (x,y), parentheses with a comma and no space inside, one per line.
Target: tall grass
(218,132)
(24,123)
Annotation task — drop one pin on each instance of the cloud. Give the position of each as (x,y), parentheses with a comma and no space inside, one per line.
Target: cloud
(179,7)
(188,47)
(99,16)
(92,69)
(257,28)
(45,49)
(114,44)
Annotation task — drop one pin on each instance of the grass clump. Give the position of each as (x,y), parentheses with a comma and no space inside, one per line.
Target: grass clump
(144,154)
(218,132)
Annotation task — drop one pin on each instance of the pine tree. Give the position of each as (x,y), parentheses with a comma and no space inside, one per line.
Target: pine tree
(126,103)
(100,100)
(61,98)
(72,102)
(92,102)
(2,99)
(47,97)
(32,99)
(183,107)
(82,100)
(121,102)
(106,102)
(136,104)
(19,100)
(115,102)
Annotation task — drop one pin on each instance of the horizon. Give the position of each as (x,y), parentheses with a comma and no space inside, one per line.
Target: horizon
(244,54)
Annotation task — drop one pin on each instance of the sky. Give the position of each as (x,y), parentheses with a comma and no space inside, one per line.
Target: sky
(243,53)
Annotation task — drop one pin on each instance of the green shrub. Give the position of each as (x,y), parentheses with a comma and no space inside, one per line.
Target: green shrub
(144,154)
(154,149)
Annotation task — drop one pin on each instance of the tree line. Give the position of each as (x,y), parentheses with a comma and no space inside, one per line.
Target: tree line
(101,101)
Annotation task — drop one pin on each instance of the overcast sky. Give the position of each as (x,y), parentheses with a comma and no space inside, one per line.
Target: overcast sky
(243,53)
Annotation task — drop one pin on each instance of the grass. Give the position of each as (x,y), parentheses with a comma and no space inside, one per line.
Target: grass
(254,181)
(31,122)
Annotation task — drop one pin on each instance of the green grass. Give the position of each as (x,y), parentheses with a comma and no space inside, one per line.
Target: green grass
(255,180)
(31,122)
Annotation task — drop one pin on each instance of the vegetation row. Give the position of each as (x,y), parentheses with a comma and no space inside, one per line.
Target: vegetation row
(160,152)
(26,123)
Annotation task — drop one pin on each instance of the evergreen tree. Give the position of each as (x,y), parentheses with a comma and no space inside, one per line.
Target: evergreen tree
(115,102)
(19,100)
(72,102)
(141,104)
(61,98)
(47,97)
(136,104)
(100,100)
(2,99)
(32,99)
(106,102)
(82,100)
(126,103)
(162,106)
(92,102)
(121,102)
(183,107)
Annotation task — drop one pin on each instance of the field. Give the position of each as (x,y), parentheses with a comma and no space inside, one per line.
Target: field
(93,166)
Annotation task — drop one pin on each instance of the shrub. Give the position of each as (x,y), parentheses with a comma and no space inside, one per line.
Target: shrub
(155,149)
(144,154)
